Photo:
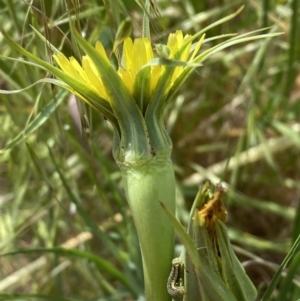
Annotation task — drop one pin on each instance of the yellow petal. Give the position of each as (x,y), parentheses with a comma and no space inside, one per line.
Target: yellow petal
(172,44)
(127,54)
(66,65)
(135,55)
(187,46)
(127,79)
(156,72)
(99,47)
(93,77)
(138,57)
(142,54)
(78,68)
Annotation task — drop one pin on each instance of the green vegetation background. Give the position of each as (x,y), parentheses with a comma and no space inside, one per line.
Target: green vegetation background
(236,121)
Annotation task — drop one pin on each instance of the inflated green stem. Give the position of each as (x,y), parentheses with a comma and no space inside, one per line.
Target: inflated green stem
(146,184)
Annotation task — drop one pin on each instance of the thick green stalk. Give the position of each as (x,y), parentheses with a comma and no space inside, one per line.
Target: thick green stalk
(146,184)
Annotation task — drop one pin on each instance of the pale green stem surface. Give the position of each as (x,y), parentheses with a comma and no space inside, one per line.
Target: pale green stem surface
(145,186)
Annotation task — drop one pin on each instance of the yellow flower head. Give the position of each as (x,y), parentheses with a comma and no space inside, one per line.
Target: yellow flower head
(137,55)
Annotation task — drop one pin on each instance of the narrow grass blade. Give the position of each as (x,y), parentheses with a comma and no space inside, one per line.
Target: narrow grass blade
(40,119)
(85,216)
(101,263)
(30,297)
(277,275)
(287,286)
(287,131)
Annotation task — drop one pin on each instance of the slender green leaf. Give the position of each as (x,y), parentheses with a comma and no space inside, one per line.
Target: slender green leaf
(287,131)
(101,263)
(267,295)
(39,120)
(38,297)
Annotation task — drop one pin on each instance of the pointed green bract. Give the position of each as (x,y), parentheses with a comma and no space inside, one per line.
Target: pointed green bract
(232,270)
(134,144)
(142,89)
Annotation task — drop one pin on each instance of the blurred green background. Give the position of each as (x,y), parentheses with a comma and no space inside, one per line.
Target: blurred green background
(236,121)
